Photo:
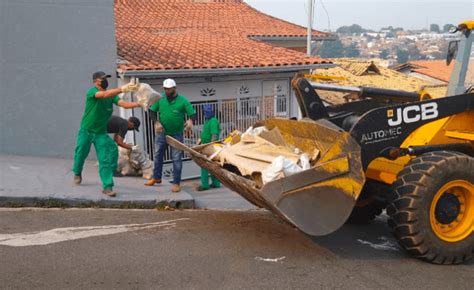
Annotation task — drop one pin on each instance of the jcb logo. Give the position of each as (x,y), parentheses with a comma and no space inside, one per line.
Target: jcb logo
(412,114)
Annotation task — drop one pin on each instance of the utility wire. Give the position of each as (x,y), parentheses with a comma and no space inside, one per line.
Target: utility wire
(327,15)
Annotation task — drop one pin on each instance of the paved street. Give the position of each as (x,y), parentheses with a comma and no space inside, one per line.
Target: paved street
(202,249)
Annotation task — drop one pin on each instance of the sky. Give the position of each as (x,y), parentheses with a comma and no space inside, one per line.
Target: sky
(371,14)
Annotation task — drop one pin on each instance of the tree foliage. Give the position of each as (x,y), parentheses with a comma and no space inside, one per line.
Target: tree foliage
(402,56)
(446,27)
(334,49)
(384,53)
(434,28)
(353,29)
(414,52)
(330,49)
(351,51)
(391,34)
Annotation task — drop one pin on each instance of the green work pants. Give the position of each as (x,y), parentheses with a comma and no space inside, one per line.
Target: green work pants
(107,155)
(205,180)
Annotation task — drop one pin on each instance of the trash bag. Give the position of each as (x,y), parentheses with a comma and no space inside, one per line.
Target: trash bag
(141,161)
(123,166)
(251,133)
(147,96)
(279,168)
(135,163)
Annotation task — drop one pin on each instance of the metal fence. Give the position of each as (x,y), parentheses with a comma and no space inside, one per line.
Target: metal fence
(233,114)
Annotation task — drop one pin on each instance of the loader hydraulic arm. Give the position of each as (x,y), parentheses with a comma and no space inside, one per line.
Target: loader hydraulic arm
(370,92)
(313,107)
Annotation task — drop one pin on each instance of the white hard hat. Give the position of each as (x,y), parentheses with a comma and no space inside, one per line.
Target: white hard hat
(169,83)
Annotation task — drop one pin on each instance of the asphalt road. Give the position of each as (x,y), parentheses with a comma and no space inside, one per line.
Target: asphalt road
(205,250)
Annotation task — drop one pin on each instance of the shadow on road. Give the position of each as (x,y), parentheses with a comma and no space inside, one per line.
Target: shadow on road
(372,241)
(368,242)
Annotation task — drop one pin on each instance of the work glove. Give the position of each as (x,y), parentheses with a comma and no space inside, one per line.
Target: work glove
(188,126)
(132,86)
(142,102)
(158,127)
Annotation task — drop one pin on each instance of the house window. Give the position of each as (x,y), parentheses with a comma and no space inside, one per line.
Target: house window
(281,105)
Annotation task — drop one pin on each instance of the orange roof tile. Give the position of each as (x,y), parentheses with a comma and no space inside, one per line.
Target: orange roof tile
(200,34)
(433,68)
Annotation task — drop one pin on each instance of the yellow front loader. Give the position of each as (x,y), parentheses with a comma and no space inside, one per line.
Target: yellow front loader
(402,151)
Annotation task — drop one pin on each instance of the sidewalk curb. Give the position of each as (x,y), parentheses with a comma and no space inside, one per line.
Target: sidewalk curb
(50,202)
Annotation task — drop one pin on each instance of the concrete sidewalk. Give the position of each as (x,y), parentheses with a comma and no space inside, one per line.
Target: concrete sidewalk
(48,182)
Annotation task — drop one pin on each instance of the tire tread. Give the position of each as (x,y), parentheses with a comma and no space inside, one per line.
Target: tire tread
(407,193)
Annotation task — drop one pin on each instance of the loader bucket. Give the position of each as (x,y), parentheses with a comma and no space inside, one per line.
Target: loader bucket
(318,200)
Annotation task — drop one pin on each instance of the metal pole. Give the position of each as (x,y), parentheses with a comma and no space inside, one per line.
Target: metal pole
(310,28)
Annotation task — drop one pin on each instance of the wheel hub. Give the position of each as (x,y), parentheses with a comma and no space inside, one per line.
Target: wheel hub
(452,211)
(447,208)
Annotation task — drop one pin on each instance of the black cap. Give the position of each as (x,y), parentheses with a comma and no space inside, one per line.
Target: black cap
(100,75)
(136,123)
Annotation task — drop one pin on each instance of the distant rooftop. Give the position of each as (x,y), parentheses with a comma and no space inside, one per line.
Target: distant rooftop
(355,72)
(433,68)
(202,34)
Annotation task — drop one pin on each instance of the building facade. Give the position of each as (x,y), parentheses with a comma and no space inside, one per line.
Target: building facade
(222,52)
(239,101)
(48,52)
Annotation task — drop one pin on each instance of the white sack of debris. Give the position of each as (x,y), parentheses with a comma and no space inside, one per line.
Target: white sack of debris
(135,163)
(147,96)
(283,167)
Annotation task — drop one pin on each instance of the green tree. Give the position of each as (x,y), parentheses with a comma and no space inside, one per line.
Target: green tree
(353,29)
(446,27)
(331,49)
(402,56)
(434,28)
(384,53)
(391,34)
(387,28)
(414,52)
(351,51)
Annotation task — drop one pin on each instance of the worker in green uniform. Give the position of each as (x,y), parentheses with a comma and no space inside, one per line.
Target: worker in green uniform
(210,133)
(172,109)
(93,129)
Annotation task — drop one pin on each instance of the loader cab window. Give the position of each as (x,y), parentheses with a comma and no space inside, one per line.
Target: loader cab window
(470,70)
(452,50)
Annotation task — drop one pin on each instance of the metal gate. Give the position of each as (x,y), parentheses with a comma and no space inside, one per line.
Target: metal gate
(233,114)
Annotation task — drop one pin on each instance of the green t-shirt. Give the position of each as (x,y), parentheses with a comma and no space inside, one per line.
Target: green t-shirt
(97,112)
(172,114)
(211,127)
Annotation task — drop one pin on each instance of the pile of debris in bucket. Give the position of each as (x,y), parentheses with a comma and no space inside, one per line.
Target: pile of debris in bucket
(260,154)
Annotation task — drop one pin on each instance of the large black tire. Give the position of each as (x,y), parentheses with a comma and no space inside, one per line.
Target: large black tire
(411,210)
(368,207)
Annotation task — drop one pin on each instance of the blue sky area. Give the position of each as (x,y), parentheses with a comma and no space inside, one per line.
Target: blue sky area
(372,14)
